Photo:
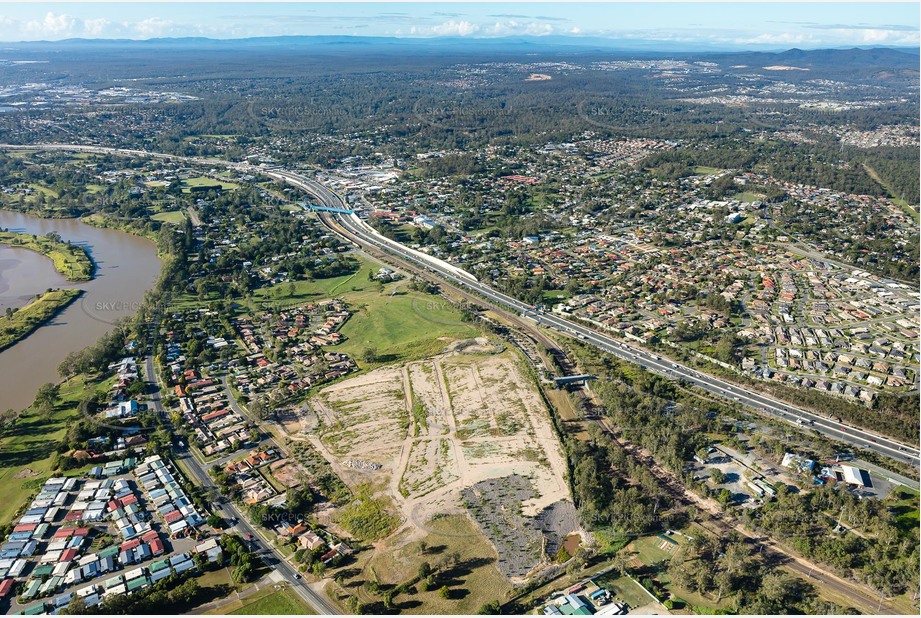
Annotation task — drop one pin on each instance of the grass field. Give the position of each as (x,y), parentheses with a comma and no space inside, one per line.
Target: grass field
(219,577)
(904,503)
(625,589)
(48,191)
(282,602)
(70,260)
(399,323)
(554,297)
(170,216)
(645,550)
(26,319)
(745,196)
(31,444)
(474,582)
(204,181)
(703,169)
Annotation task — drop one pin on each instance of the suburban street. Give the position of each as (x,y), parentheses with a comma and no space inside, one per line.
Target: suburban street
(260,544)
(362,233)
(835,430)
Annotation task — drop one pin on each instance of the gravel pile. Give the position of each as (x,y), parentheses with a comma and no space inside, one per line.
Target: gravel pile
(360,464)
(522,543)
(556,522)
(495,504)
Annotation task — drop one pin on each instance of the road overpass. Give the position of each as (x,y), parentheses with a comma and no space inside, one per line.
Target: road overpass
(359,231)
(652,362)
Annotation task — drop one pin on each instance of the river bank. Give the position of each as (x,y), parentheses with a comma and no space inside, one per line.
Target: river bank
(70,260)
(126,268)
(22,322)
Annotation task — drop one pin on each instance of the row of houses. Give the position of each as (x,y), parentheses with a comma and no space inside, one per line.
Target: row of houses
(253,486)
(204,406)
(300,332)
(165,494)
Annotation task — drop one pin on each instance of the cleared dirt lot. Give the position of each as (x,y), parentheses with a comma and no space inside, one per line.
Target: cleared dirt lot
(439,426)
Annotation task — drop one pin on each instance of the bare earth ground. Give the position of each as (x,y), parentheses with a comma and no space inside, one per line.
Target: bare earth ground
(438,426)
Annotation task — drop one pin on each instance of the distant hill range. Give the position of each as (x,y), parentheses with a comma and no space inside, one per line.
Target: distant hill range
(865,56)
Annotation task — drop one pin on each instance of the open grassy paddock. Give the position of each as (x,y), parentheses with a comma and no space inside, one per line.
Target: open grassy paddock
(204,181)
(283,602)
(703,169)
(472,583)
(624,589)
(27,451)
(169,216)
(745,196)
(398,322)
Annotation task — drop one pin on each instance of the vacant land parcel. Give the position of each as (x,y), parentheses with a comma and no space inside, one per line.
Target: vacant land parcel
(422,433)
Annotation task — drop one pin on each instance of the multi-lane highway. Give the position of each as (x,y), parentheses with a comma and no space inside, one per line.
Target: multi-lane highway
(363,234)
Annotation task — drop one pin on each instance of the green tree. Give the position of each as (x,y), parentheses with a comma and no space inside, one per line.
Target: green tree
(425,569)
(369,355)
(185,593)
(46,397)
(76,607)
(490,609)
(216,521)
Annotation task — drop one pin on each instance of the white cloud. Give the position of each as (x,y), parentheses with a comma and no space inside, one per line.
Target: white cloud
(891,37)
(513,27)
(150,27)
(777,38)
(51,26)
(509,27)
(455,28)
(95,27)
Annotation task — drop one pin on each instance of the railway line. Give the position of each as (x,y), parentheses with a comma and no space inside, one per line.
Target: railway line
(525,318)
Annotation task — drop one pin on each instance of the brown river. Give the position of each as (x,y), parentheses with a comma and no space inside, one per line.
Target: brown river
(126,267)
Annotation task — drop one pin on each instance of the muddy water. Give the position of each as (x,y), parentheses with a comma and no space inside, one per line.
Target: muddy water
(21,270)
(126,267)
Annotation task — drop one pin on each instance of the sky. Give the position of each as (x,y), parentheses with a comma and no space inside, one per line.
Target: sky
(722,24)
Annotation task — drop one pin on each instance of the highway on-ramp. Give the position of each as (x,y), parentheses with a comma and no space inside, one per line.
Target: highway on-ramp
(362,233)
(652,362)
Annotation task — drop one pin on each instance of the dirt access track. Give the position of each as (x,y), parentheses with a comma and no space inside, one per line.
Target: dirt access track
(422,432)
